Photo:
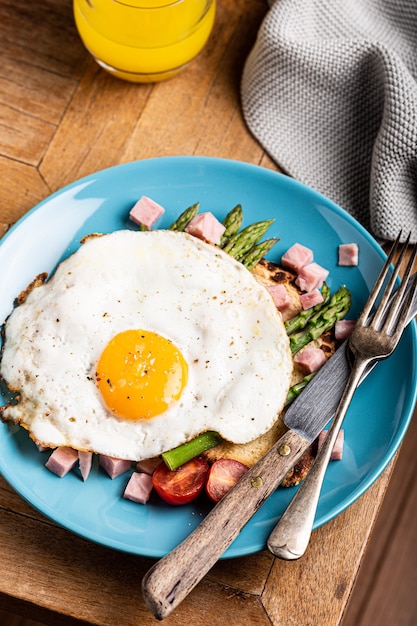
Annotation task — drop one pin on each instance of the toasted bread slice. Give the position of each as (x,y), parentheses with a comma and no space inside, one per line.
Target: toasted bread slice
(268,273)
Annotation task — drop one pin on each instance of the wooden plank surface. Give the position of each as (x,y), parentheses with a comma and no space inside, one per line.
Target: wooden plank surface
(385,592)
(81,577)
(62,118)
(387,579)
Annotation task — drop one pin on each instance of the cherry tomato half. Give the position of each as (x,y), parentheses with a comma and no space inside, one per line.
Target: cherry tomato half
(224,474)
(183,484)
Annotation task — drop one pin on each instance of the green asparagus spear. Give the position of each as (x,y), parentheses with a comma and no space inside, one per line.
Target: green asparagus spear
(301,320)
(254,235)
(297,388)
(241,242)
(323,320)
(232,222)
(187,451)
(185,217)
(257,252)
(178,456)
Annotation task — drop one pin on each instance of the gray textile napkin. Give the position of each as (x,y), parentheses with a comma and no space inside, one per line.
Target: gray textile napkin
(330,91)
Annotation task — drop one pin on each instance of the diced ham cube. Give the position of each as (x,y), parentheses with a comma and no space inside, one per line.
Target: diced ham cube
(311,276)
(310,359)
(85,461)
(148,466)
(348,254)
(114,467)
(62,460)
(311,298)
(207,227)
(297,257)
(337,452)
(343,329)
(280,296)
(139,488)
(146,212)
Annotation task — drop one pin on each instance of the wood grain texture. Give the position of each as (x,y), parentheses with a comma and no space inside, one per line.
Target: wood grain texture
(398,574)
(90,575)
(22,188)
(8,619)
(95,129)
(237,581)
(333,562)
(63,118)
(40,35)
(386,589)
(171,579)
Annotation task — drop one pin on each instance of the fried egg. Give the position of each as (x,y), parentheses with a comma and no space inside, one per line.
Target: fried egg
(142,340)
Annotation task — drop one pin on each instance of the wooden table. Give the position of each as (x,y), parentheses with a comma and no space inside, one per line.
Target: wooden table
(63,118)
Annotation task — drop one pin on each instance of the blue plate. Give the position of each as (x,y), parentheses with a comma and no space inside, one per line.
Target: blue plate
(380,412)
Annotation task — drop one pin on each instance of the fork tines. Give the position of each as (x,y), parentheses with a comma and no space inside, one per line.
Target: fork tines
(387,312)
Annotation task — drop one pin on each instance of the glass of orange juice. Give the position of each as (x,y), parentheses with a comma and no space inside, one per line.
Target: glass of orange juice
(144,40)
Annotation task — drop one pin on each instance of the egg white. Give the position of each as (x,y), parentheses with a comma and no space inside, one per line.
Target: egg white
(211,307)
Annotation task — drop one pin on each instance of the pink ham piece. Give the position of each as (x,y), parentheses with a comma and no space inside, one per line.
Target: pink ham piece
(146,212)
(296,257)
(207,227)
(139,488)
(311,276)
(343,329)
(85,462)
(337,452)
(310,359)
(280,296)
(348,254)
(62,460)
(148,466)
(310,299)
(114,467)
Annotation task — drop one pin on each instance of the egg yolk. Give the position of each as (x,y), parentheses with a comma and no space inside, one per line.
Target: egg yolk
(140,374)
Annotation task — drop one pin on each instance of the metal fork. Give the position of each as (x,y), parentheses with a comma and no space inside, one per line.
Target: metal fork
(375,337)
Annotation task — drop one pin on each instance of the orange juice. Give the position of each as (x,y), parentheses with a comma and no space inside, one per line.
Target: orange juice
(144,40)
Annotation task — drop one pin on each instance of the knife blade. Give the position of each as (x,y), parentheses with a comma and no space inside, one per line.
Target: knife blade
(170,580)
(319,400)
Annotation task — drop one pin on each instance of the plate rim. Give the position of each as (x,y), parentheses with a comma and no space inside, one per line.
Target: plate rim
(132,165)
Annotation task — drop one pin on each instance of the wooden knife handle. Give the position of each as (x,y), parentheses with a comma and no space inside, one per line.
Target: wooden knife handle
(171,579)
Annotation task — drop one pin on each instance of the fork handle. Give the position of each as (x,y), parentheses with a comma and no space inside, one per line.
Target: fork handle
(291,535)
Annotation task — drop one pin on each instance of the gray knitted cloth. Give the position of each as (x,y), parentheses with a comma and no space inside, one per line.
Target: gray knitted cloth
(330,91)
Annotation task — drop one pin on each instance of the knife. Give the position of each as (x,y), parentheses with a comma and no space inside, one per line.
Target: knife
(170,580)
(290,537)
